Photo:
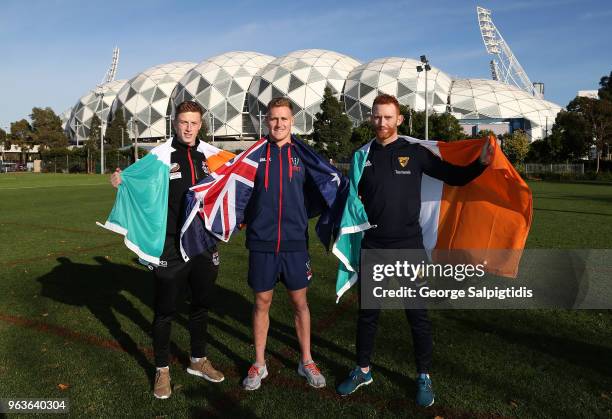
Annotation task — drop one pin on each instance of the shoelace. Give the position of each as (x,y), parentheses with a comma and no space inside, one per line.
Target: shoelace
(312,367)
(357,373)
(424,383)
(253,371)
(158,376)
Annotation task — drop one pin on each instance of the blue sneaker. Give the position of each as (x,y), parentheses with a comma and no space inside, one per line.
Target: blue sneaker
(425,394)
(356,379)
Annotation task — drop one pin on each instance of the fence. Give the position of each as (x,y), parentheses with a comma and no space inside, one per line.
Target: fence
(559,168)
(75,161)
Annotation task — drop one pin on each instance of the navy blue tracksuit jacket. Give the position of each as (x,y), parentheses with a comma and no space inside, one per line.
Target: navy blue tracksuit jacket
(276,216)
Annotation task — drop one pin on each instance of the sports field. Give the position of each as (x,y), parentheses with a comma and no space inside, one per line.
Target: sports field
(75,314)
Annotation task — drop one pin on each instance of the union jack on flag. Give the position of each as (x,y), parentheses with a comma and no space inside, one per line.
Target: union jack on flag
(220,201)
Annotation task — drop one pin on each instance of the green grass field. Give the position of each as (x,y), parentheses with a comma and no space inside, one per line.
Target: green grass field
(75,311)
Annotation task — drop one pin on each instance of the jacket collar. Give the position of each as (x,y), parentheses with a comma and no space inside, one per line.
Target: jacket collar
(179,145)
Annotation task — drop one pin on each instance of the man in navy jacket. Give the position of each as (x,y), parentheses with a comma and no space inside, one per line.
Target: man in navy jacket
(277,239)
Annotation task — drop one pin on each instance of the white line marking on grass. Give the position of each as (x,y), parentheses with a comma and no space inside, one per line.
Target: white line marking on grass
(55,186)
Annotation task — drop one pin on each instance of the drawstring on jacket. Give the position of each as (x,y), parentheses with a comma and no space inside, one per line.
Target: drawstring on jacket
(268,165)
(266,183)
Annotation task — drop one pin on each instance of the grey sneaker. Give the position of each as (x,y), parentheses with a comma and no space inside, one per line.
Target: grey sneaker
(254,377)
(312,374)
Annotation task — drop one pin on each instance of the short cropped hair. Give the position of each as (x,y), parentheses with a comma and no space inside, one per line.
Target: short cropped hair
(189,106)
(385,99)
(279,102)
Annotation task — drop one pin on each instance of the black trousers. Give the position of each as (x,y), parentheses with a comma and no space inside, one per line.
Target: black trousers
(200,274)
(420,325)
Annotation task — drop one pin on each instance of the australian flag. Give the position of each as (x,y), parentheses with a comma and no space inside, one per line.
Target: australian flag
(215,207)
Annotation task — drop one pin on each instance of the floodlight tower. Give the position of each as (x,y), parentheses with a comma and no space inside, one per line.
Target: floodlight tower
(110,76)
(505,66)
(112,71)
(494,70)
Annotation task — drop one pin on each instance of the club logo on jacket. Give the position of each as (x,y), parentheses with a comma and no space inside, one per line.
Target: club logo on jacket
(403,161)
(205,168)
(175,171)
(295,162)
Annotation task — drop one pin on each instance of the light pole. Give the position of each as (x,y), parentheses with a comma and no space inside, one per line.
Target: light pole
(7,131)
(169,129)
(76,124)
(134,130)
(102,129)
(100,94)
(260,116)
(425,66)
(212,125)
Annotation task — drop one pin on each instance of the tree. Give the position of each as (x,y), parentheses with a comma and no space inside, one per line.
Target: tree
(605,90)
(442,126)
(203,132)
(5,141)
(362,134)
(540,152)
(22,135)
(93,143)
(445,127)
(570,137)
(47,129)
(116,135)
(516,146)
(598,114)
(332,128)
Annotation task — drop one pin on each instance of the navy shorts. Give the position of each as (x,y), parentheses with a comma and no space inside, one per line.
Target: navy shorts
(267,268)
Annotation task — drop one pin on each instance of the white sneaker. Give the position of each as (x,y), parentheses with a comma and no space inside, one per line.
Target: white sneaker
(254,377)
(312,374)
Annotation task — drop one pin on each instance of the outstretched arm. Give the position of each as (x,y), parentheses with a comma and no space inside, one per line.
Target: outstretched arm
(452,174)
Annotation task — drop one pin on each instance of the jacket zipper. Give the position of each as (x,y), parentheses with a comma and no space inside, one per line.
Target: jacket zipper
(280,198)
(193,177)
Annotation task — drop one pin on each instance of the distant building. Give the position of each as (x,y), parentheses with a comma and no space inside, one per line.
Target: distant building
(14,154)
(593,94)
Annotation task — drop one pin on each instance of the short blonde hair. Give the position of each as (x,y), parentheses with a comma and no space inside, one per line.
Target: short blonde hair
(279,102)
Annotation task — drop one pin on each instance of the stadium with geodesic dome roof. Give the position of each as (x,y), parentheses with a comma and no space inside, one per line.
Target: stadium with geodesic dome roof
(234,88)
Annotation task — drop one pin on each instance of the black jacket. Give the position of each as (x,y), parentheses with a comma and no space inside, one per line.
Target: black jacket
(188,167)
(390,189)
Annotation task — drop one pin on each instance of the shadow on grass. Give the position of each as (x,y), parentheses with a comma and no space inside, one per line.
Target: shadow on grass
(573,212)
(337,360)
(238,308)
(581,354)
(99,289)
(582,198)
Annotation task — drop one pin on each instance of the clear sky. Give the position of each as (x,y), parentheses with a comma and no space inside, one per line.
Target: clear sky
(54,51)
